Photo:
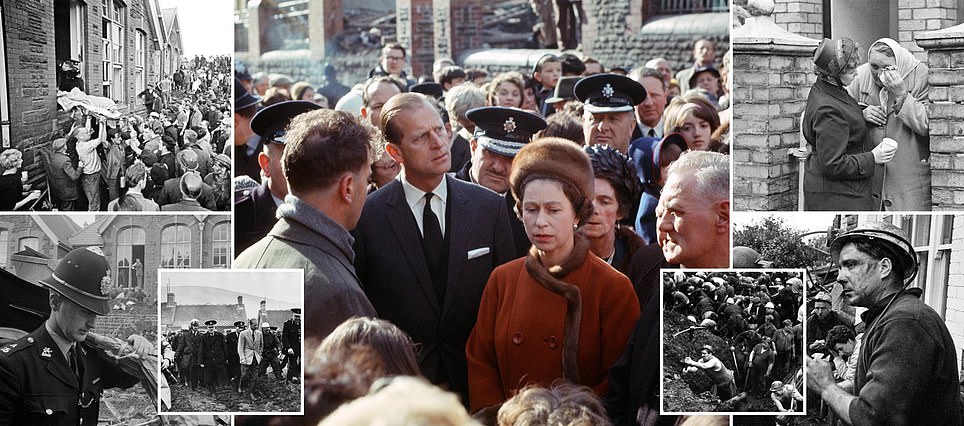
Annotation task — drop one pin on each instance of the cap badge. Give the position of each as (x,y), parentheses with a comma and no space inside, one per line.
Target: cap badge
(509,125)
(5,349)
(607,91)
(105,283)
(46,352)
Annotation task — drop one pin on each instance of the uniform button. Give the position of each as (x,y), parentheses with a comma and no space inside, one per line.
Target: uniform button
(30,339)
(517,338)
(49,412)
(552,342)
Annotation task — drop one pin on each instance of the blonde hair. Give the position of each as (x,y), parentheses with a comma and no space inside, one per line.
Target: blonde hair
(10,158)
(405,401)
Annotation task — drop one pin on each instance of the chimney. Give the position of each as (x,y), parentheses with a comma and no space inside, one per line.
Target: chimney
(240,301)
(170,300)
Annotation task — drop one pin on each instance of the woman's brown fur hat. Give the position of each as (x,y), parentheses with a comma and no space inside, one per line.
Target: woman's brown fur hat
(557,159)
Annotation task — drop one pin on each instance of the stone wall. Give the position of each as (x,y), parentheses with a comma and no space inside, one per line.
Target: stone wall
(923,15)
(945,57)
(415,25)
(614,37)
(803,17)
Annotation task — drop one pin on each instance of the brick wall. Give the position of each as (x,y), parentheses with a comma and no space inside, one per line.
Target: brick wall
(415,30)
(457,26)
(919,15)
(954,314)
(945,57)
(613,37)
(773,72)
(20,226)
(803,17)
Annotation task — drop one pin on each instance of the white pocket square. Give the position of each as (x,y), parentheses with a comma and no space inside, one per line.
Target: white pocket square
(478,252)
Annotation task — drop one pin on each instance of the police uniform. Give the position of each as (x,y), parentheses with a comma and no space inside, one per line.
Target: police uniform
(39,383)
(213,357)
(504,131)
(291,339)
(254,208)
(231,352)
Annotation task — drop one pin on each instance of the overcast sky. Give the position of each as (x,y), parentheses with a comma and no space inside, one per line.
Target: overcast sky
(803,221)
(207,26)
(285,286)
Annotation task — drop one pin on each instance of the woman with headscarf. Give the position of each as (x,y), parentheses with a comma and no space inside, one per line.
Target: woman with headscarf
(838,173)
(616,190)
(893,86)
(560,312)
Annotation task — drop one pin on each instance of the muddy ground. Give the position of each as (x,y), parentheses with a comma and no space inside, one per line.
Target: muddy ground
(271,396)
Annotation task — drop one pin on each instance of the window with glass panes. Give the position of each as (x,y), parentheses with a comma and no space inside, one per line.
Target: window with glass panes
(221,249)
(4,240)
(931,237)
(28,242)
(140,58)
(112,34)
(176,246)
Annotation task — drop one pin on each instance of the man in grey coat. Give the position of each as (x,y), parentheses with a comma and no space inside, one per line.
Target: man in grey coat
(326,161)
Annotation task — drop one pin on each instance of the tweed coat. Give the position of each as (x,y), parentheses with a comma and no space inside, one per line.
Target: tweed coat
(838,174)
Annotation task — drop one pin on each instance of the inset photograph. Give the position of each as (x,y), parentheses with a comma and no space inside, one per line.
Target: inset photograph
(231,341)
(733,341)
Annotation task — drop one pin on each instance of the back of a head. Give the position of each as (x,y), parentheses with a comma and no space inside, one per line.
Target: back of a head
(405,401)
(563,125)
(711,169)
(393,346)
(127,203)
(189,160)
(320,146)
(571,65)
(135,174)
(191,184)
(561,404)
(462,98)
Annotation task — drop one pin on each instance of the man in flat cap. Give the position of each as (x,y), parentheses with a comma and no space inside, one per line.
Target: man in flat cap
(610,104)
(907,371)
(213,357)
(189,352)
(254,208)
(499,135)
(270,352)
(327,162)
(291,344)
(56,374)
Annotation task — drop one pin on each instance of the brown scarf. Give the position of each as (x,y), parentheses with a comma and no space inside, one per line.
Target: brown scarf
(551,279)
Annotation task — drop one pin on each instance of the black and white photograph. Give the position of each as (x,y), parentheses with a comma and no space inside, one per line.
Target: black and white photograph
(884,312)
(78,311)
(115,105)
(732,341)
(848,106)
(231,341)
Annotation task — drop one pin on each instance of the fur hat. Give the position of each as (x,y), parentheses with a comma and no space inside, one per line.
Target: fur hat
(557,159)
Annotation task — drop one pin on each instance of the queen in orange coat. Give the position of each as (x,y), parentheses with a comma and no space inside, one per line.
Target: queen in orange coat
(560,312)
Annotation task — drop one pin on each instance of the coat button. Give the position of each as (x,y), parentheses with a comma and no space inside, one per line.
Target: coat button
(552,342)
(517,338)
(49,412)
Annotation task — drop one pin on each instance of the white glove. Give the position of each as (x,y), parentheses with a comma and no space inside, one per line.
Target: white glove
(884,151)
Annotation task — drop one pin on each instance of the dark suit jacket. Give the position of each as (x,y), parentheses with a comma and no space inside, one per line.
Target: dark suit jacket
(254,215)
(519,237)
(392,268)
(839,171)
(171,194)
(461,153)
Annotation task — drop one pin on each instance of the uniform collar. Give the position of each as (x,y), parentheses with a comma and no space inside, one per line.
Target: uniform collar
(63,344)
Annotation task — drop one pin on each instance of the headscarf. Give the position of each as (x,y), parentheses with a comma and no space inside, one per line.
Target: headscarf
(832,57)
(906,63)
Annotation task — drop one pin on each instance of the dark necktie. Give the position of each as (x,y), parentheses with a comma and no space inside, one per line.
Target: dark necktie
(652,133)
(72,360)
(432,245)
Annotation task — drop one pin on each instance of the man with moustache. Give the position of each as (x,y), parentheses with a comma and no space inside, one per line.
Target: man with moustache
(907,366)
(327,162)
(426,243)
(610,101)
(499,135)
(56,374)
(693,214)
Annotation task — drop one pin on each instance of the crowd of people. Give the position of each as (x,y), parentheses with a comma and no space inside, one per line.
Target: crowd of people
(510,227)
(170,155)
(237,360)
(866,127)
(759,316)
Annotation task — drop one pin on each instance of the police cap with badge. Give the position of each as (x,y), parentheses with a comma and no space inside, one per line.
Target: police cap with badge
(83,277)
(502,130)
(604,93)
(271,123)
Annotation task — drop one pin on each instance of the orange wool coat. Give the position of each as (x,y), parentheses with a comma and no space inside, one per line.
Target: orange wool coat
(518,337)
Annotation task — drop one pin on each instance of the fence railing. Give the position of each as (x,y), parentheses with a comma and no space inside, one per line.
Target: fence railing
(677,7)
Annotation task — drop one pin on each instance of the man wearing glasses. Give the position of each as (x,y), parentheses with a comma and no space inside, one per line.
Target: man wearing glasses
(391,64)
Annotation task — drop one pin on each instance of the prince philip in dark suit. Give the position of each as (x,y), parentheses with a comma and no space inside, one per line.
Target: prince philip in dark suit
(426,243)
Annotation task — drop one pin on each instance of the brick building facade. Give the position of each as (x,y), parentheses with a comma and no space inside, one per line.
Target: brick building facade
(176,241)
(120,45)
